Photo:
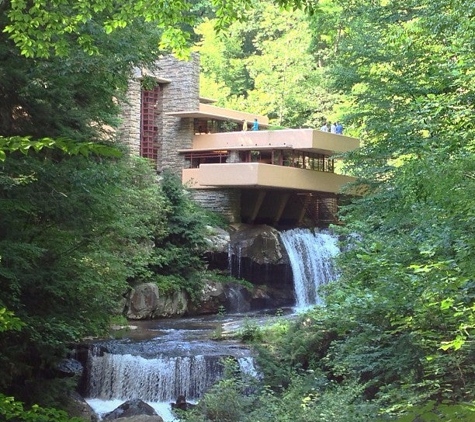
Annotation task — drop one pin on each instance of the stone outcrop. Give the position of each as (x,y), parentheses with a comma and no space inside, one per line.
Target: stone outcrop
(261,244)
(256,254)
(217,239)
(172,304)
(252,253)
(76,406)
(69,368)
(144,301)
(131,409)
(216,297)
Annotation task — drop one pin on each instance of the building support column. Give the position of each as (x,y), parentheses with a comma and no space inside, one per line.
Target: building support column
(257,206)
(280,208)
(305,204)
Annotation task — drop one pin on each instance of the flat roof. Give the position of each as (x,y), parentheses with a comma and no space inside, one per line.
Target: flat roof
(243,148)
(210,112)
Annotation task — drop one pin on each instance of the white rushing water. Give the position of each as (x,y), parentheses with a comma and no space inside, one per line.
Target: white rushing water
(115,378)
(311,257)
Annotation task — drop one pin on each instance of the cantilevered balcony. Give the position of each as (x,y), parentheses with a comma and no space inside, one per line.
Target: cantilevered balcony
(259,175)
(298,139)
(293,160)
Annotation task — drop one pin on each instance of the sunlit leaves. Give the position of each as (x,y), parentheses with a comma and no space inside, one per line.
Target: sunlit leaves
(38,28)
(407,68)
(8,321)
(43,28)
(265,65)
(26,144)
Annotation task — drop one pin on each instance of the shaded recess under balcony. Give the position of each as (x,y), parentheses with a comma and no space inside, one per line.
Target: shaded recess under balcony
(284,209)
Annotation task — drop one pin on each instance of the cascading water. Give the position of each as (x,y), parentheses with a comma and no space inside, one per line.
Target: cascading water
(235,255)
(152,380)
(237,302)
(311,258)
(172,363)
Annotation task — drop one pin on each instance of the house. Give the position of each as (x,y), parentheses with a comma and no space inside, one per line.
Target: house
(284,178)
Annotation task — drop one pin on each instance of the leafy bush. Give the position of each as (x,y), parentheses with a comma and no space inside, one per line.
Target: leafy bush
(250,331)
(16,411)
(229,400)
(71,236)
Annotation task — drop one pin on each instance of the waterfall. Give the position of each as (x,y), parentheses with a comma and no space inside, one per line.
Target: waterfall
(247,367)
(235,254)
(157,380)
(163,379)
(311,258)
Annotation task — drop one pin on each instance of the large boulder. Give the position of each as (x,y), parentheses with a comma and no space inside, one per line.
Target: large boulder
(264,297)
(252,253)
(76,406)
(69,367)
(172,304)
(212,298)
(217,239)
(130,408)
(215,297)
(142,301)
(145,302)
(261,244)
(257,254)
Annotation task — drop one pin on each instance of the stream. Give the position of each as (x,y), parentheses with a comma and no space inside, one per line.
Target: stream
(159,360)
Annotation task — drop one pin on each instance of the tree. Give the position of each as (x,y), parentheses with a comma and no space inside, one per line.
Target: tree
(407,278)
(43,29)
(265,65)
(73,231)
(75,97)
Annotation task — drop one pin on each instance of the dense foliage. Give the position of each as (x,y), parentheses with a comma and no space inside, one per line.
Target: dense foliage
(178,255)
(266,65)
(79,221)
(73,231)
(407,281)
(396,334)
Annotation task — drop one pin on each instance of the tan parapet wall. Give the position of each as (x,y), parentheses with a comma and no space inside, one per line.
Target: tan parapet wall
(304,139)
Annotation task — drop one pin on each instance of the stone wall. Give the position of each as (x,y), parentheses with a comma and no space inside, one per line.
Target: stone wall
(226,202)
(179,82)
(129,130)
(181,94)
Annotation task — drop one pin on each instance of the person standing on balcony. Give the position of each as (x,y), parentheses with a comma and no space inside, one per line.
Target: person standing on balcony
(333,128)
(325,127)
(255,126)
(244,125)
(339,128)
